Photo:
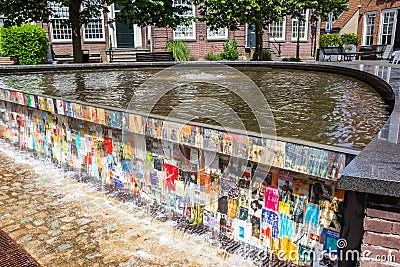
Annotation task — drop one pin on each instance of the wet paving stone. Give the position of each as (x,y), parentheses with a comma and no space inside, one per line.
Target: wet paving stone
(62,222)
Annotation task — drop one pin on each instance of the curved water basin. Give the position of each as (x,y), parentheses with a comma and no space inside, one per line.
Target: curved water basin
(324,108)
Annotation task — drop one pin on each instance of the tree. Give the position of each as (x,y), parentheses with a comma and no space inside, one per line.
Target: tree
(318,9)
(233,13)
(18,12)
(151,12)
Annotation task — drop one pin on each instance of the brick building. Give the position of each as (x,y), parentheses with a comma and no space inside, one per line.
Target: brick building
(281,36)
(378,23)
(99,36)
(347,21)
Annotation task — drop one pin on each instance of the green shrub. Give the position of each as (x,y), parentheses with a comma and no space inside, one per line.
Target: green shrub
(180,50)
(214,57)
(350,38)
(266,55)
(27,42)
(329,39)
(291,59)
(231,51)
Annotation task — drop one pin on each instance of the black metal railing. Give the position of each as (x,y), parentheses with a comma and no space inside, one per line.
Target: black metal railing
(274,43)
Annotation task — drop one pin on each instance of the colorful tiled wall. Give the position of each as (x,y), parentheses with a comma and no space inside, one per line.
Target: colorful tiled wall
(275,195)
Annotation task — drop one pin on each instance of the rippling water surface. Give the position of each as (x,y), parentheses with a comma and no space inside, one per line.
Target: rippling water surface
(318,107)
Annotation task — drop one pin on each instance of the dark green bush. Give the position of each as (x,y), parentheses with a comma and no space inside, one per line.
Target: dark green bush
(291,59)
(231,51)
(180,49)
(266,55)
(27,42)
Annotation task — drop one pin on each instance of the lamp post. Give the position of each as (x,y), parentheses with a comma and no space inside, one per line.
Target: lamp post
(313,38)
(298,34)
(298,39)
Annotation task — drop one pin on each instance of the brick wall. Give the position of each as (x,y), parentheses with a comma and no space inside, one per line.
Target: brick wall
(381,238)
(66,48)
(378,6)
(201,46)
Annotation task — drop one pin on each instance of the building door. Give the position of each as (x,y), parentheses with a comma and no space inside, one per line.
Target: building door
(388,30)
(124,36)
(396,44)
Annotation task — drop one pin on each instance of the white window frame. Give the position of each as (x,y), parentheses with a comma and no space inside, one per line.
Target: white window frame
(283,34)
(365,36)
(217,37)
(382,24)
(294,32)
(101,21)
(193,24)
(61,16)
(247,36)
(64,16)
(2,19)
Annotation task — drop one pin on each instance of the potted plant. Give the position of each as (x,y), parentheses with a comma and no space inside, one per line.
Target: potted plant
(329,40)
(350,42)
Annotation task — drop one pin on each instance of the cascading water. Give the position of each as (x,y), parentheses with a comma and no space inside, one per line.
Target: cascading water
(65,223)
(190,178)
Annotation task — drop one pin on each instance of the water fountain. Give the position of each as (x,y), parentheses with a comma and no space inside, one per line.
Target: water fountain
(260,196)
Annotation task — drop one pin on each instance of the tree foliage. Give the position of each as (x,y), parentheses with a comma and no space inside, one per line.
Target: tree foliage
(233,13)
(18,12)
(27,42)
(151,12)
(318,9)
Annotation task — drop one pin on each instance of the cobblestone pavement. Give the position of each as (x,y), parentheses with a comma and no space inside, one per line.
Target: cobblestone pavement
(62,222)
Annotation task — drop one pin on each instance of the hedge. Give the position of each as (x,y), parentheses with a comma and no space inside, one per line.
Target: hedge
(27,42)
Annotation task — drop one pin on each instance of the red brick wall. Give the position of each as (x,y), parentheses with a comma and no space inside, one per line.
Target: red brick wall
(381,238)
(61,48)
(378,6)
(201,46)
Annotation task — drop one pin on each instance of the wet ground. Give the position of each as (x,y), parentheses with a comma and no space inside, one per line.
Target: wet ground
(63,222)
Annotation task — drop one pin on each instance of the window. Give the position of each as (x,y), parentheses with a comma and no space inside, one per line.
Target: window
(218,34)
(337,14)
(303,27)
(94,31)
(277,31)
(60,29)
(387,27)
(369,27)
(185,32)
(250,35)
(2,19)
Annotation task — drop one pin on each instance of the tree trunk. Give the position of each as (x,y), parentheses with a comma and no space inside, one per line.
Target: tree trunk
(259,40)
(74,11)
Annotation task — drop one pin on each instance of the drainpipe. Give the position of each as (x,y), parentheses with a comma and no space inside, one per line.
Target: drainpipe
(145,38)
(151,39)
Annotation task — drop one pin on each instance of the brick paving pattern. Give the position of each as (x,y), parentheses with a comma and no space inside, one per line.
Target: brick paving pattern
(62,222)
